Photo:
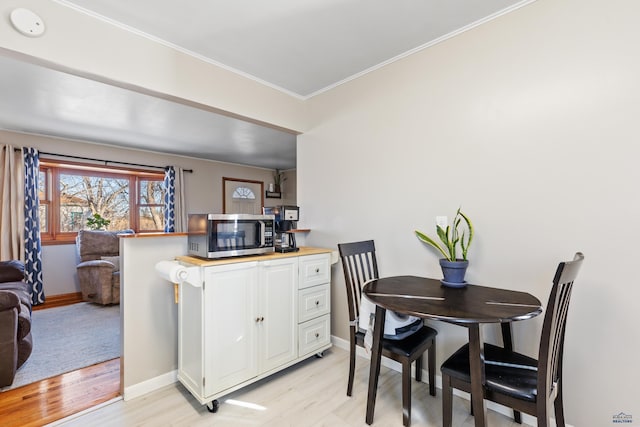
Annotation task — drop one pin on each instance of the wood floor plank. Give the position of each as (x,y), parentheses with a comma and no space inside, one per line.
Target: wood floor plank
(55,398)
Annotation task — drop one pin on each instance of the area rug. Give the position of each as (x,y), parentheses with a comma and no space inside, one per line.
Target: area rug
(69,338)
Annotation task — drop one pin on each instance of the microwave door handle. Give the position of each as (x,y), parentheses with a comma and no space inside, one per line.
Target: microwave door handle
(262,231)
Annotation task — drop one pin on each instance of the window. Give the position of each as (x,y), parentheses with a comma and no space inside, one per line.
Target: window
(43,195)
(151,204)
(70,193)
(243,193)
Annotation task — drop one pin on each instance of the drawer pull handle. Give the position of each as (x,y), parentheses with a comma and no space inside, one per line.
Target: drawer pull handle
(317,270)
(317,302)
(317,335)
(259,319)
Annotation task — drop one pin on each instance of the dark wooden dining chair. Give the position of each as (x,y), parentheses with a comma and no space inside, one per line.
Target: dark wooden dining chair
(513,379)
(360,265)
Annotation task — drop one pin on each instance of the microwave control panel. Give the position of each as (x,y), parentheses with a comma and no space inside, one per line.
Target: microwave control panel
(268,234)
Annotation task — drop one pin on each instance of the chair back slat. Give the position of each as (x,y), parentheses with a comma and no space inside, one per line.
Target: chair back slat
(359,265)
(554,326)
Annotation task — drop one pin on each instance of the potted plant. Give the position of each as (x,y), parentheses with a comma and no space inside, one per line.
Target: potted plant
(97,222)
(459,234)
(278,179)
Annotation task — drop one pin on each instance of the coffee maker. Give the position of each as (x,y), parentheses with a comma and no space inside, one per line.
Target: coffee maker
(286,218)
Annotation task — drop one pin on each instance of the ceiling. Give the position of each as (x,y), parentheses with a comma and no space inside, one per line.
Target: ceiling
(302,48)
(39,100)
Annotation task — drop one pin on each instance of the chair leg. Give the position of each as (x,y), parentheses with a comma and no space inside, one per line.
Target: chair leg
(406,392)
(517,417)
(352,364)
(559,410)
(542,414)
(507,341)
(419,369)
(447,401)
(431,354)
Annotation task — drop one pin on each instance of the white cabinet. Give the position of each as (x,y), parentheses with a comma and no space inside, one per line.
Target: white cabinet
(216,331)
(250,319)
(278,306)
(314,282)
(230,330)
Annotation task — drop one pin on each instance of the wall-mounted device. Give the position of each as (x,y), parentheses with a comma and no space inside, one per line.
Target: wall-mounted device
(286,218)
(27,22)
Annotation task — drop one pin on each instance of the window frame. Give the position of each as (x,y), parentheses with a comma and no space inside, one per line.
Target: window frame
(140,205)
(54,168)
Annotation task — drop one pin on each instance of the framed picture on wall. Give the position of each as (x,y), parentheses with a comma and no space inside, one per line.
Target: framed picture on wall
(242,196)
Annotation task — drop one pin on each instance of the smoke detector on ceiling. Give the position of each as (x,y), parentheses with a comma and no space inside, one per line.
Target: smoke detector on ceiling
(27,22)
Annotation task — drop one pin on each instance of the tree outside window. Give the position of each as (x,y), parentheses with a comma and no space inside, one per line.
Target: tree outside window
(151,205)
(43,195)
(81,196)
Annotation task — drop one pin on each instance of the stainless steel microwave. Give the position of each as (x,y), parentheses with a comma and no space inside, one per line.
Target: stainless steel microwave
(227,235)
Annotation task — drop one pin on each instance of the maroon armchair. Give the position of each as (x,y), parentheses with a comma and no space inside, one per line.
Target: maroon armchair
(15,320)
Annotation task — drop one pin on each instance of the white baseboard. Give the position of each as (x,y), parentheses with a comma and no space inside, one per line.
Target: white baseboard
(151,385)
(526,419)
(86,411)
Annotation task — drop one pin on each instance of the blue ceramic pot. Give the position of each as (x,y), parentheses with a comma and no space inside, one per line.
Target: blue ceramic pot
(453,272)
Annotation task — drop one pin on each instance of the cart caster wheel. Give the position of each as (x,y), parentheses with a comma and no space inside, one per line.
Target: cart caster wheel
(214,406)
(320,355)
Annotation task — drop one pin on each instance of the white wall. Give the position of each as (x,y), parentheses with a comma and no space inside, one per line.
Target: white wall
(530,122)
(203,190)
(149,314)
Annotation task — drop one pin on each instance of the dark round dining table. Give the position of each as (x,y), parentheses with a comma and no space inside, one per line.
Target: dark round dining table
(470,306)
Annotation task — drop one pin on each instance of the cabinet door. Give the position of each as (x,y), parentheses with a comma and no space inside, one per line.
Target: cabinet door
(278,306)
(230,325)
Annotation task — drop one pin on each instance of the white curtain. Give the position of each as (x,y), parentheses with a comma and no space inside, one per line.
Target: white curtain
(11,203)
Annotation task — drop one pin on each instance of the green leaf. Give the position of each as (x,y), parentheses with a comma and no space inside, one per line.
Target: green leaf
(443,235)
(426,239)
(463,245)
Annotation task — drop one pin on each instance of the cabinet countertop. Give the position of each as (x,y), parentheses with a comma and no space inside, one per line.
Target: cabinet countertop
(304,250)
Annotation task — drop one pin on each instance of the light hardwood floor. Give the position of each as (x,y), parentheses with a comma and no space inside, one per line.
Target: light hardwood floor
(311,393)
(42,402)
(54,398)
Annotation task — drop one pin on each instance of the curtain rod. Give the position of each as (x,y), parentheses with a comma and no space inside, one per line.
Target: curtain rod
(106,162)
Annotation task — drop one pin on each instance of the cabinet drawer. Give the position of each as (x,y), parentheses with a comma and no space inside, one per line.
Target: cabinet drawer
(313,335)
(313,302)
(314,270)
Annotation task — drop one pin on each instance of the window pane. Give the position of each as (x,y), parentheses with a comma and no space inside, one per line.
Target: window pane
(243,193)
(151,218)
(151,192)
(81,196)
(44,225)
(42,185)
